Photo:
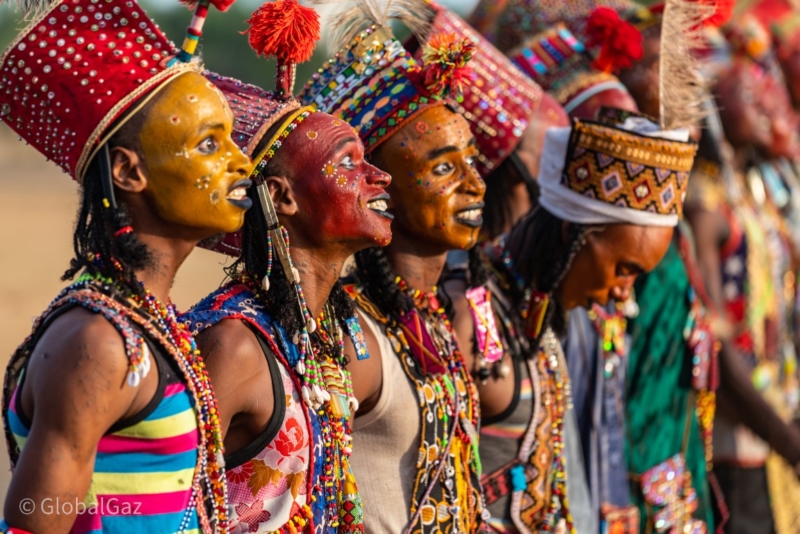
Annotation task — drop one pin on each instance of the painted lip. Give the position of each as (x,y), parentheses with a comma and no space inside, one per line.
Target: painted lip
(244,202)
(468,217)
(383,204)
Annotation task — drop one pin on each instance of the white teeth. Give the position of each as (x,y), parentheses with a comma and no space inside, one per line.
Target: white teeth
(471,215)
(238,194)
(378,205)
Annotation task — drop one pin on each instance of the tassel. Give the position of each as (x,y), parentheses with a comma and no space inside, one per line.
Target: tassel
(618,41)
(284,29)
(445,71)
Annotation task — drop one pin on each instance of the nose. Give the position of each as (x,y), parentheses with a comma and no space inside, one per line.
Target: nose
(375,176)
(239,163)
(472,183)
(622,292)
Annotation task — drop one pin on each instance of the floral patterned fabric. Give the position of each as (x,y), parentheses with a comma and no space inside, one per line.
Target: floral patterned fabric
(269,490)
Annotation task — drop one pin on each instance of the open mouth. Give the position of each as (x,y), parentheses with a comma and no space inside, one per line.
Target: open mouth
(238,194)
(379,205)
(471,216)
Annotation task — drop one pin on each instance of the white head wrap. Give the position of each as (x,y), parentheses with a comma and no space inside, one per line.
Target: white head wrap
(574,207)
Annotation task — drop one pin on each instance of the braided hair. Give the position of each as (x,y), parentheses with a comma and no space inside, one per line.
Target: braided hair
(542,256)
(253,260)
(100,243)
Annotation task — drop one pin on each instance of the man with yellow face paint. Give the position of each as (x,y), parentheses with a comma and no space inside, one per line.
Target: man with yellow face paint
(415,438)
(108,397)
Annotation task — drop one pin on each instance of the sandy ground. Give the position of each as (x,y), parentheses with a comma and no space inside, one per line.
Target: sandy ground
(38,204)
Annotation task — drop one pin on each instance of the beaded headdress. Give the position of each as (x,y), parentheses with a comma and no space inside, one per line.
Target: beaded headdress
(620,169)
(500,101)
(76,70)
(374,83)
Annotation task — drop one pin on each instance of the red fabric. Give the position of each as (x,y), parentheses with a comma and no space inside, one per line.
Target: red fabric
(65,75)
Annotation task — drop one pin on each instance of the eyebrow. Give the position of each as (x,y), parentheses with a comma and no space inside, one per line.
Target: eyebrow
(436,152)
(343,143)
(212,126)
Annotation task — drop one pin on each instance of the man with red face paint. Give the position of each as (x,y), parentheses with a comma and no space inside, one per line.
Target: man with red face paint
(109,415)
(272,337)
(416,430)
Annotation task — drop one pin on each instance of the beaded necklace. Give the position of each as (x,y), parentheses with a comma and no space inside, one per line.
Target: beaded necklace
(327,391)
(555,389)
(426,334)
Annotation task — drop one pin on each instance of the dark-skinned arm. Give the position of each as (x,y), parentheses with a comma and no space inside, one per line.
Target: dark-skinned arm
(241,379)
(707,228)
(76,390)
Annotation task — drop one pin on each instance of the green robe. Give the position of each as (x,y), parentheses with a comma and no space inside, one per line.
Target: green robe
(659,382)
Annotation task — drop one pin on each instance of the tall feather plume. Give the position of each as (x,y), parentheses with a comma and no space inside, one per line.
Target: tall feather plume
(682,88)
(417,15)
(30,8)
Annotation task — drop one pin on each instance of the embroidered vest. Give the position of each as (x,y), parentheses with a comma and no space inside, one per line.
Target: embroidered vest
(145,473)
(282,487)
(446,496)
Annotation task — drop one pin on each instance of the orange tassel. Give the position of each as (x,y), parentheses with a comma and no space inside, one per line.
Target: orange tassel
(284,29)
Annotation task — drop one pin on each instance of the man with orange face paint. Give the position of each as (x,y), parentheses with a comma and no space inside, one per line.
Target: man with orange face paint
(109,414)
(415,434)
(272,336)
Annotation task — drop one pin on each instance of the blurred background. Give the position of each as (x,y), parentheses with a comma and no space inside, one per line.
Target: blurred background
(38,203)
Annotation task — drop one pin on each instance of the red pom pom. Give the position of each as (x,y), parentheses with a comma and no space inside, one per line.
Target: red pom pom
(284,29)
(618,41)
(221,5)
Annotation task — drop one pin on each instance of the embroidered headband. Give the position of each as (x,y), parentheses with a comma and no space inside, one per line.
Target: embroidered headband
(623,170)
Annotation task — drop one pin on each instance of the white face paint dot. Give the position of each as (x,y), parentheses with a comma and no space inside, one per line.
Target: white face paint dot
(175,119)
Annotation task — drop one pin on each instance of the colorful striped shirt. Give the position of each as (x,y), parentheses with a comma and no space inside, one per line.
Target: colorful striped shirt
(142,480)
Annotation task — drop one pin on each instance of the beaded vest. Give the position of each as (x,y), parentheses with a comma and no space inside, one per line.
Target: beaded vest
(296,483)
(447,493)
(536,478)
(147,476)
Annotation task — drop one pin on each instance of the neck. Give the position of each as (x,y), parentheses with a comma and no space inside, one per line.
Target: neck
(318,274)
(167,257)
(420,269)
(519,205)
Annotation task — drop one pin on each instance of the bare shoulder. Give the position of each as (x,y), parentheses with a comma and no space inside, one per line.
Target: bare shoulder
(231,349)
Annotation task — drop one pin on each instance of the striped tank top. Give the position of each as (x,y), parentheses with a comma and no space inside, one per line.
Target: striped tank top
(145,465)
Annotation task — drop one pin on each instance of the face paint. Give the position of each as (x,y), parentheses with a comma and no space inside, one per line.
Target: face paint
(196,175)
(607,265)
(340,197)
(437,195)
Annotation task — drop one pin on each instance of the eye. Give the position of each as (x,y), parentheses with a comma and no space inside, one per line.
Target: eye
(443,169)
(209,145)
(348,163)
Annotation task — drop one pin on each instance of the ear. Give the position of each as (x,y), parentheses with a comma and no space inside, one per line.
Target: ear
(282,196)
(127,170)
